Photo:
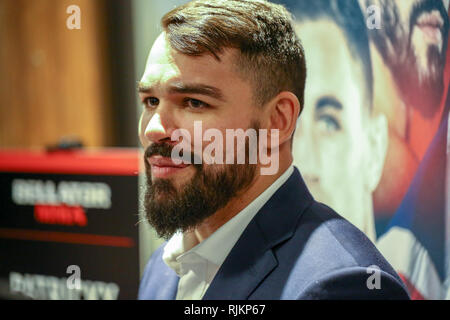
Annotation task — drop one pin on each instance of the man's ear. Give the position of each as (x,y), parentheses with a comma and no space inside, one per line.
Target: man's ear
(283,113)
(377,149)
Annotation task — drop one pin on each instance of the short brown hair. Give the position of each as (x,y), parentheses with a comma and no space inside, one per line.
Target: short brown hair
(271,55)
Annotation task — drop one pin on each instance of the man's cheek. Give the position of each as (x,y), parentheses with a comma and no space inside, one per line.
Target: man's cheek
(143,122)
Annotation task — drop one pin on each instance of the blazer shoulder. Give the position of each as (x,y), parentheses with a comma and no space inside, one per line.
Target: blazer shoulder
(347,240)
(355,283)
(326,251)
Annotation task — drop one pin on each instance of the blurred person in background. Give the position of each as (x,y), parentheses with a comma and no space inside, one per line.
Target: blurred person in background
(409,56)
(410,50)
(340,142)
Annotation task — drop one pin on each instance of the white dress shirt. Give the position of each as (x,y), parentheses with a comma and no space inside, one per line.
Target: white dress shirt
(197,263)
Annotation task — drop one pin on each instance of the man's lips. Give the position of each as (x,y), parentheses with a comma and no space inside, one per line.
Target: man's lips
(162,167)
(164,162)
(432,19)
(431,23)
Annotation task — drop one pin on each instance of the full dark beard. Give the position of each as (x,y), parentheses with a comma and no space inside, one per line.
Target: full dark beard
(424,94)
(169,210)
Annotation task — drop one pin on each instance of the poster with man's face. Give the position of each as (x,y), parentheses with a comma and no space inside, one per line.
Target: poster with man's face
(374,101)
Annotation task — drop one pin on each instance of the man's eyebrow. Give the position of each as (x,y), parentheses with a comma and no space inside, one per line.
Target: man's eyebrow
(186,88)
(197,88)
(141,87)
(328,102)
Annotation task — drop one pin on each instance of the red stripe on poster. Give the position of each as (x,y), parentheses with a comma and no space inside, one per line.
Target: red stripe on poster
(102,162)
(66,237)
(414,293)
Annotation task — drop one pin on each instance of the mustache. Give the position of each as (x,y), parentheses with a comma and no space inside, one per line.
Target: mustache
(164,149)
(423,6)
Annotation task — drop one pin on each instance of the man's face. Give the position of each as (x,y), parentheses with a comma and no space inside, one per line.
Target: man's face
(413,42)
(178,90)
(330,140)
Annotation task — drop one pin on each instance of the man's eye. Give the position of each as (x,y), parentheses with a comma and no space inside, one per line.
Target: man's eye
(328,124)
(195,104)
(151,102)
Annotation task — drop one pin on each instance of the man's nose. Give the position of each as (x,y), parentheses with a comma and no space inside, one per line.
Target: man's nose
(158,128)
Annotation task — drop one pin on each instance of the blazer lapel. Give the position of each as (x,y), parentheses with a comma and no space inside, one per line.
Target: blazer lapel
(252,258)
(245,266)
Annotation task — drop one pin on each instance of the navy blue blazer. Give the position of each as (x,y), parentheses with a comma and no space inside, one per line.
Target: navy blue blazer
(294,248)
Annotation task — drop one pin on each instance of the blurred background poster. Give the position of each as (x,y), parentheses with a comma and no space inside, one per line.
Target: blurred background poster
(372,141)
(68,225)
(69,160)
